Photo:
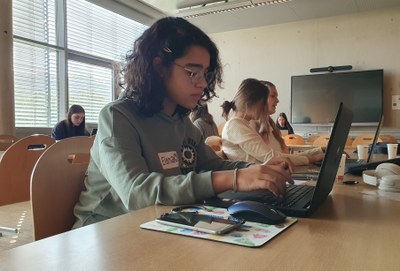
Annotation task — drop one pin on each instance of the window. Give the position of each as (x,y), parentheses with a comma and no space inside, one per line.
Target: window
(89,86)
(58,64)
(35,63)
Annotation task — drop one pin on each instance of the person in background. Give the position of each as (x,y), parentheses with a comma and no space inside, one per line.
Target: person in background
(204,121)
(146,150)
(253,102)
(271,135)
(73,125)
(282,123)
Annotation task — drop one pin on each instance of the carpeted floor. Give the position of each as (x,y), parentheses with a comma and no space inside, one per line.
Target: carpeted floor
(19,216)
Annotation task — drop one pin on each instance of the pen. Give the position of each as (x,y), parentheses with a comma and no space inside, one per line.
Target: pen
(350,182)
(8,229)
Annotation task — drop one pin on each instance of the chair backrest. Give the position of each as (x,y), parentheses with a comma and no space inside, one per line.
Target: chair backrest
(294,139)
(388,138)
(312,138)
(349,142)
(322,140)
(364,139)
(16,166)
(6,141)
(56,183)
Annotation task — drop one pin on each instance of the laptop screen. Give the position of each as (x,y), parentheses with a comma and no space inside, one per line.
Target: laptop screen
(333,155)
(378,128)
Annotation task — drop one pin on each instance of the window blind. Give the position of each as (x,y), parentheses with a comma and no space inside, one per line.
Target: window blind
(96,41)
(96,31)
(35,20)
(90,86)
(35,64)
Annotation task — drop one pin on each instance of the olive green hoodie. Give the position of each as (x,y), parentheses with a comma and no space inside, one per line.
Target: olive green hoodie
(137,161)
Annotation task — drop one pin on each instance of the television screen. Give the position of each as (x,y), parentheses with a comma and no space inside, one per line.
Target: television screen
(316,97)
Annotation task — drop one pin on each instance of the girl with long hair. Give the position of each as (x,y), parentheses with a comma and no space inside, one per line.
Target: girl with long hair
(146,150)
(204,121)
(73,125)
(250,133)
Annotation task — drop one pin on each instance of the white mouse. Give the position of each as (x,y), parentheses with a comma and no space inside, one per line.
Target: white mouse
(385,169)
(390,183)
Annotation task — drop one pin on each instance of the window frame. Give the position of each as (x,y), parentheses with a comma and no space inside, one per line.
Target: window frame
(63,55)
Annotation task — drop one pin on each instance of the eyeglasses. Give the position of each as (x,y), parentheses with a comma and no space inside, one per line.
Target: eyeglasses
(196,77)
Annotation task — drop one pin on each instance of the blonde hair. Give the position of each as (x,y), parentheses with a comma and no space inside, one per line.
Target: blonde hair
(250,95)
(264,127)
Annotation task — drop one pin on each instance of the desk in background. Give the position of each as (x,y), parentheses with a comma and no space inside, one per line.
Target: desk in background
(351,231)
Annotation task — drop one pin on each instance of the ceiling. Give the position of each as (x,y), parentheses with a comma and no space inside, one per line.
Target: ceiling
(200,12)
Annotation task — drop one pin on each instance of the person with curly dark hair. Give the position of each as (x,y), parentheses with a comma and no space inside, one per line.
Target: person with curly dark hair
(146,150)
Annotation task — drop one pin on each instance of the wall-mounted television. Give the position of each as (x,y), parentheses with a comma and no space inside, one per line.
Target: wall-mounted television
(315,98)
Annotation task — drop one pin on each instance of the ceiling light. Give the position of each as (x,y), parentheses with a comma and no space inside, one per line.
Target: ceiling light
(197,12)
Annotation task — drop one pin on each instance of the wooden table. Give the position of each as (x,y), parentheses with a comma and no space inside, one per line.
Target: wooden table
(351,231)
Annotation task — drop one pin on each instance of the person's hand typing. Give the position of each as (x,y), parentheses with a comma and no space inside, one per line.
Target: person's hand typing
(271,175)
(283,161)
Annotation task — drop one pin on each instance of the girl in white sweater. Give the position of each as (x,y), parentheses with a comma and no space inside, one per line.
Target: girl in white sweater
(250,134)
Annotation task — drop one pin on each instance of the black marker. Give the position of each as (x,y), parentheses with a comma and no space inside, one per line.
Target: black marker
(350,182)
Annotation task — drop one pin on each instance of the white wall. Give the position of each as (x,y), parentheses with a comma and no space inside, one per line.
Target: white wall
(369,40)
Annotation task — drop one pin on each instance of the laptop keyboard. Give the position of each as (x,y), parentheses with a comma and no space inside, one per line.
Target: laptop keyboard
(293,194)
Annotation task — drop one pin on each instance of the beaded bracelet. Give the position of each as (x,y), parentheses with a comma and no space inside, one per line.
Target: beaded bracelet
(235,180)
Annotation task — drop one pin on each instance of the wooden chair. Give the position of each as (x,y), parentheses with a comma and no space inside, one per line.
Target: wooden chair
(388,138)
(364,139)
(322,140)
(56,183)
(6,141)
(312,138)
(349,142)
(294,139)
(16,166)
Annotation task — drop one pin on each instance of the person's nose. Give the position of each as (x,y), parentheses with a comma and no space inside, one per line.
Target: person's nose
(202,83)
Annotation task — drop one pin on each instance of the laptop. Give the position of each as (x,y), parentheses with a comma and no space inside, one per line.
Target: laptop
(302,200)
(284,132)
(93,132)
(356,166)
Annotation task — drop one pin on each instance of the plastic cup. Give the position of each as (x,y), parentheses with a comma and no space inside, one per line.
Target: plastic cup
(392,150)
(362,151)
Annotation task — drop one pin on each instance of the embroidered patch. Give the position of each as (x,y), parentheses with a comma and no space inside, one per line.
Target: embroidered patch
(189,155)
